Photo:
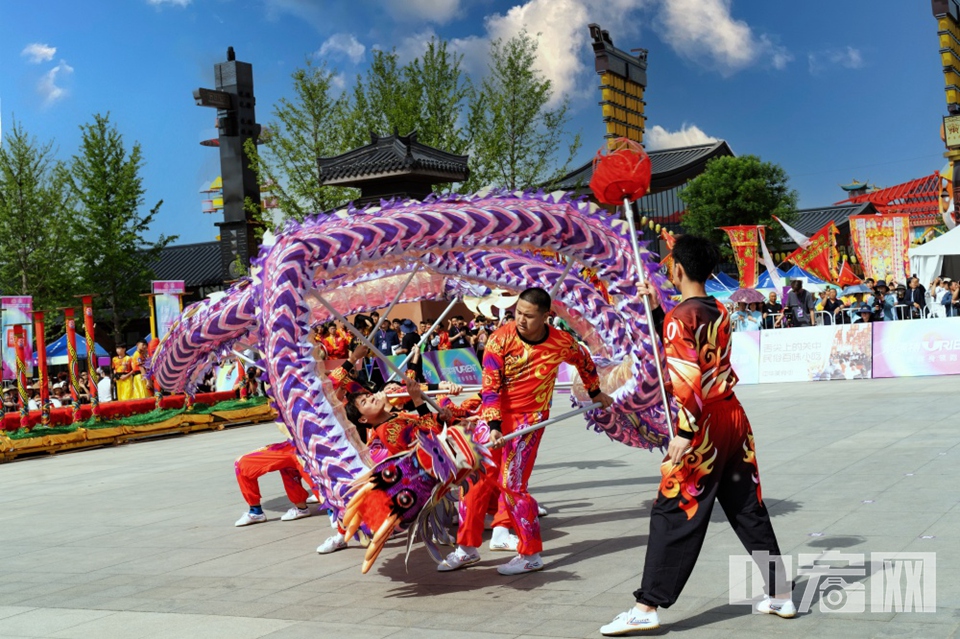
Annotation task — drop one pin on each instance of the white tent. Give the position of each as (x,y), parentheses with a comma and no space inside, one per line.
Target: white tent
(937,257)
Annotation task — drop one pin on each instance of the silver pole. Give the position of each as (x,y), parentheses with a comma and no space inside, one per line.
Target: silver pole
(366,342)
(427,335)
(642,276)
(552,420)
(396,299)
(566,271)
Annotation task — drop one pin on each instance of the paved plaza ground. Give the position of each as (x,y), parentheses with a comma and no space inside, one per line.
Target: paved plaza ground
(138,540)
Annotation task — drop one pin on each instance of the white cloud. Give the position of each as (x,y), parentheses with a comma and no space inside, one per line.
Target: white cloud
(705,31)
(38,52)
(413,46)
(343,44)
(688,135)
(560,27)
(848,57)
(175,3)
(438,11)
(48,88)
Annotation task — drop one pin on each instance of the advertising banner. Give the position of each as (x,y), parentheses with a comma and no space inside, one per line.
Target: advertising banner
(745,356)
(881,243)
(16,310)
(816,353)
(167,304)
(458,365)
(910,349)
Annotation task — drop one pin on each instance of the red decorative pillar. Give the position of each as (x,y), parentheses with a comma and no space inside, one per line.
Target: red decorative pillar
(19,342)
(72,363)
(38,329)
(88,327)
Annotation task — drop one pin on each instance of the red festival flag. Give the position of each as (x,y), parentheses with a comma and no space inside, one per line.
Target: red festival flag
(820,255)
(847,277)
(670,240)
(744,240)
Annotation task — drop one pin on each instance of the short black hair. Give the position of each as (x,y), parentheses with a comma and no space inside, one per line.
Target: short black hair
(697,255)
(353,414)
(141,341)
(123,346)
(362,322)
(538,297)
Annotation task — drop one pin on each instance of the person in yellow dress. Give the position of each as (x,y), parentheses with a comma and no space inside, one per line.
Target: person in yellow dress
(123,373)
(141,389)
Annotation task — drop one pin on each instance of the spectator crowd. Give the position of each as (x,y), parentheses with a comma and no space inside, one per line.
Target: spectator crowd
(880,302)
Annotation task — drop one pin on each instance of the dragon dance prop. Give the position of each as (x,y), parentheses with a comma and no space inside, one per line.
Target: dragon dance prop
(444,248)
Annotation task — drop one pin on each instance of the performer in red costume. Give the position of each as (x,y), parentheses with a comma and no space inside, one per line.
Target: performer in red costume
(280,457)
(520,365)
(711,455)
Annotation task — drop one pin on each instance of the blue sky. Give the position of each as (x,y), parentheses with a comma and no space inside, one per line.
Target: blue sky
(830,90)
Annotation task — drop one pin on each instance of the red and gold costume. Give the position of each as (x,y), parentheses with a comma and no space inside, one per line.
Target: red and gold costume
(518,381)
(719,464)
(336,345)
(280,457)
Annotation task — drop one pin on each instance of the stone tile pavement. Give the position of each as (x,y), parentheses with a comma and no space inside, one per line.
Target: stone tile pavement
(138,540)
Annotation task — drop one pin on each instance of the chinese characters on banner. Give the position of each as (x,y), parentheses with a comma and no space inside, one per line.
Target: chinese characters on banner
(167,304)
(820,256)
(16,310)
(881,244)
(744,240)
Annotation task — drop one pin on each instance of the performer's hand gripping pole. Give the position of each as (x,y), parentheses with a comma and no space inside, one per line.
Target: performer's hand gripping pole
(552,420)
(642,276)
(427,335)
(366,342)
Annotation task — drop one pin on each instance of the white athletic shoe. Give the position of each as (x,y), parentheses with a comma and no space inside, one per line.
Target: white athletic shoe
(505,545)
(249,518)
(542,511)
(295,513)
(780,607)
(312,499)
(332,544)
(459,558)
(521,564)
(631,621)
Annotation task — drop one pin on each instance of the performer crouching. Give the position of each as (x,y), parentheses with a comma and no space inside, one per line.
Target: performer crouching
(520,366)
(711,456)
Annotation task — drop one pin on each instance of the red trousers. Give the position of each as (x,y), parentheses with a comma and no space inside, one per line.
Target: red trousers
(275,457)
(514,463)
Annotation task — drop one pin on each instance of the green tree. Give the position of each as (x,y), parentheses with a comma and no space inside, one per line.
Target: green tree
(735,191)
(313,123)
(387,98)
(445,94)
(35,222)
(516,140)
(113,256)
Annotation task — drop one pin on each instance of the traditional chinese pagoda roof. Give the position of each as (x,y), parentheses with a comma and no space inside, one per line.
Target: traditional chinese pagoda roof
(920,199)
(393,156)
(856,185)
(809,221)
(671,167)
(198,265)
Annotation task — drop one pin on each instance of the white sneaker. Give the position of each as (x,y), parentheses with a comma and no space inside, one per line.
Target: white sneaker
(295,513)
(631,621)
(332,544)
(459,558)
(250,518)
(541,511)
(505,545)
(779,607)
(312,499)
(520,565)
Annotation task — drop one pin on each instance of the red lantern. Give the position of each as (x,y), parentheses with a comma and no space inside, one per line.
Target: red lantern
(624,172)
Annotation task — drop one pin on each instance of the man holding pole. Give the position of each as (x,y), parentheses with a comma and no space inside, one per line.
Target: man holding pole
(710,457)
(520,366)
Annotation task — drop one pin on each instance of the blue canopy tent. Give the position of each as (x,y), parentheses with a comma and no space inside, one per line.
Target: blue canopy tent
(721,284)
(793,273)
(57,351)
(765,281)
